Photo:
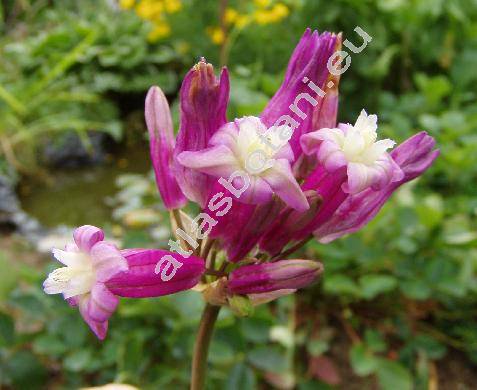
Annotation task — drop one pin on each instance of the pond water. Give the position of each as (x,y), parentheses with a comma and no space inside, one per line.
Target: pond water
(78,196)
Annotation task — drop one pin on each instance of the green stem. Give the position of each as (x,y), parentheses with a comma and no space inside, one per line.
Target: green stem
(201,347)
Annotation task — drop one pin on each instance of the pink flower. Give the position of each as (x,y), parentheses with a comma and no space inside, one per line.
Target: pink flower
(414,156)
(356,149)
(162,143)
(96,272)
(203,107)
(237,147)
(278,275)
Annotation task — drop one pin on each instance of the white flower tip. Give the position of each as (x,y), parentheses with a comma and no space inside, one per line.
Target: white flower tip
(56,253)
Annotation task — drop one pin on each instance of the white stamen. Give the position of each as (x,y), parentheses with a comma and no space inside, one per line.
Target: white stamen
(77,278)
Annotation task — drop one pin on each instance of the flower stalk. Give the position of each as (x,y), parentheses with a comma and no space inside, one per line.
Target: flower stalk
(201,347)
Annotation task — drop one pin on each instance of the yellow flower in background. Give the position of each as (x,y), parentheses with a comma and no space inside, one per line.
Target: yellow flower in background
(280,11)
(182,47)
(233,18)
(231,15)
(262,3)
(156,12)
(126,4)
(160,30)
(242,21)
(273,15)
(216,35)
(150,10)
(263,12)
(172,6)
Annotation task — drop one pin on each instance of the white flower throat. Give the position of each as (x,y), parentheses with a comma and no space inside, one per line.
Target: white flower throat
(77,278)
(358,142)
(257,146)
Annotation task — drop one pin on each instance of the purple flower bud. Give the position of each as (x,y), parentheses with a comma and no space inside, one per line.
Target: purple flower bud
(161,144)
(146,279)
(308,64)
(203,108)
(279,275)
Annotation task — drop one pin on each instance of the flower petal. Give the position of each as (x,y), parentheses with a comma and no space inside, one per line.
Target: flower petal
(361,176)
(102,303)
(68,258)
(216,161)
(99,328)
(86,236)
(283,183)
(107,261)
(278,275)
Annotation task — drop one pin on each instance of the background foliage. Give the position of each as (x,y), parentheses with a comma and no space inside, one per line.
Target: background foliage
(397,305)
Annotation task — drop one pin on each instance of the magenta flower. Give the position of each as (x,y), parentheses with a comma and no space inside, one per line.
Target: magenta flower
(237,147)
(264,184)
(203,106)
(413,156)
(356,149)
(278,275)
(96,272)
(162,143)
(341,211)
(308,62)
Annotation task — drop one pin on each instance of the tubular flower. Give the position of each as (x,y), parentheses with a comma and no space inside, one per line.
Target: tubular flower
(278,275)
(299,95)
(350,159)
(96,272)
(414,156)
(161,144)
(355,148)
(343,213)
(203,105)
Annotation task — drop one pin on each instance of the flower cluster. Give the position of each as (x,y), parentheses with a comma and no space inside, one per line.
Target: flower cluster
(155,11)
(265,185)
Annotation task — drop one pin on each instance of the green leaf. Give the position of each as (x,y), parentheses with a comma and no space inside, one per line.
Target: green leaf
(433,348)
(430,210)
(7,331)
(393,375)
(362,361)
(374,340)
(221,353)
(26,371)
(255,329)
(78,360)
(340,284)
(415,288)
(268,359)
(373,285)
(49,344)
(241,377)
(317,347)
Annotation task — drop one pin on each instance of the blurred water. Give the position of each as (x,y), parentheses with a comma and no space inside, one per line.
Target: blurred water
(77,196)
